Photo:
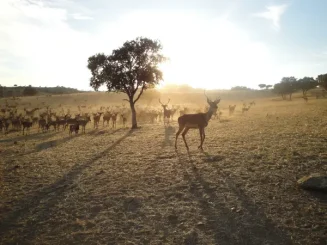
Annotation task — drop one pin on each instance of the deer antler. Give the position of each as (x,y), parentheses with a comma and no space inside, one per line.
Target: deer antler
(206,96)
(160,101)
(168,102)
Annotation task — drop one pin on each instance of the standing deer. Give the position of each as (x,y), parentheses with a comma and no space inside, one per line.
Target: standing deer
(245,109)
(167,113)
(198,120)
(231,109)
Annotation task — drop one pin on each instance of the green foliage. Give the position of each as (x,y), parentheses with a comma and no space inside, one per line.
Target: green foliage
(240,88)
(322,81)
(306,83)
(262,85)
(287,86)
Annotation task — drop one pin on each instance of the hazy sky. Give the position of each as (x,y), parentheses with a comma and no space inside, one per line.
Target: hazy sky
(210,43)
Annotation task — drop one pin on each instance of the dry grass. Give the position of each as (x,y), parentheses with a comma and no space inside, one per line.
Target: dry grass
(131,187)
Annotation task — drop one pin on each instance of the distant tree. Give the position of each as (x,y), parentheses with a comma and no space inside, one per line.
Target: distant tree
(268,86)
(1,91)
(322,81)
(240,88)
(287,86)
(131,69)
(29,91)
(306,83)
(262,86)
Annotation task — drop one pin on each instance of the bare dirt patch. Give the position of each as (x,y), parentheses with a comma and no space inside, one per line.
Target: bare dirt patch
(132,187)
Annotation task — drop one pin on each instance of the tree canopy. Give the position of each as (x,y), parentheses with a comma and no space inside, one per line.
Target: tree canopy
(287,86)
(262,85)
(322,81)
(29,91)
(306,83)
(130,69)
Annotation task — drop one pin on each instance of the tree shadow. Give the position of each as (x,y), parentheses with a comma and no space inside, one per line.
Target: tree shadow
(228,225)
(48,198)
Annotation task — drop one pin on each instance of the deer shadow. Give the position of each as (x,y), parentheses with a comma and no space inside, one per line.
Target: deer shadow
(49,196)
(39,136)
(228,226)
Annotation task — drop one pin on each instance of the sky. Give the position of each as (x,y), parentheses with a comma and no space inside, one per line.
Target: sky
(210,43)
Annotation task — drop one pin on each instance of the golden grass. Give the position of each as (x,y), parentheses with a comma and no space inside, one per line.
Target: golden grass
(131,187)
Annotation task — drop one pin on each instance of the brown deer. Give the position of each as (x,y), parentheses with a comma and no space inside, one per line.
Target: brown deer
(96,119)
(305,98)
(198,120)
(26,125)
(245,109)
(114,119)
(106,118)
(231,109)
(167,113)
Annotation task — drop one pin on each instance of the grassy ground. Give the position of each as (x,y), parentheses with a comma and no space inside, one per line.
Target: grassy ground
(132,187)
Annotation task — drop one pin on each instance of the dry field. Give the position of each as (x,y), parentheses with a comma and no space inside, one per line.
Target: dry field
(132,187)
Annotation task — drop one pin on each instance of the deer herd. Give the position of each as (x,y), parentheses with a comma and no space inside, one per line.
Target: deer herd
(44,118)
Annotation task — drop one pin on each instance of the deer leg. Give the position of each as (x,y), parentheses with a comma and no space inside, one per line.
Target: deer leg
(183,134)
(177,134)
(203,137)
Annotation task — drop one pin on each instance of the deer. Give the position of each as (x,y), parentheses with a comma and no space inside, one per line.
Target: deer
(30,113)
(167,113)
(231,109)
(26,124)
(96,119)
(245,109)
(305,98)
(83,121)
(73,128)
(106,118)
(114,119)
(198,120)
(252,103)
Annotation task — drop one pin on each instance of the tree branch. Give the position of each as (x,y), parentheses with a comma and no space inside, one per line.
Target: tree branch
(141,92)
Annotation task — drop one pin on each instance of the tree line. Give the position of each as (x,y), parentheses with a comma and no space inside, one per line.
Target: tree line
(32,91)
(289,85)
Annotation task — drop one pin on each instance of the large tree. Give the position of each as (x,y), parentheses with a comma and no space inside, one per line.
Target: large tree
(306,83)
(130,69)
(262,85)
(287,86)
(322,81)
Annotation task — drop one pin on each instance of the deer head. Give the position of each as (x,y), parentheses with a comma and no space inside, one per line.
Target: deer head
(164,105)
(213,104)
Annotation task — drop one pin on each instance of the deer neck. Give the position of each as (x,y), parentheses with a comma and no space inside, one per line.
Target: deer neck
(209,114)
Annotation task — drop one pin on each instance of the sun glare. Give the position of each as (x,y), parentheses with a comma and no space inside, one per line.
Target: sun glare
(213,54)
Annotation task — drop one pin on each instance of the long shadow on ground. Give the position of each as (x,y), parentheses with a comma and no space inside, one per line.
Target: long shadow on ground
(44,200)
(229,226)
(52,143)
(39,136)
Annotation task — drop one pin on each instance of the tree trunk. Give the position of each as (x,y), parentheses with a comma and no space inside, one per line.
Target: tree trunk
(290,96)
(134,122)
